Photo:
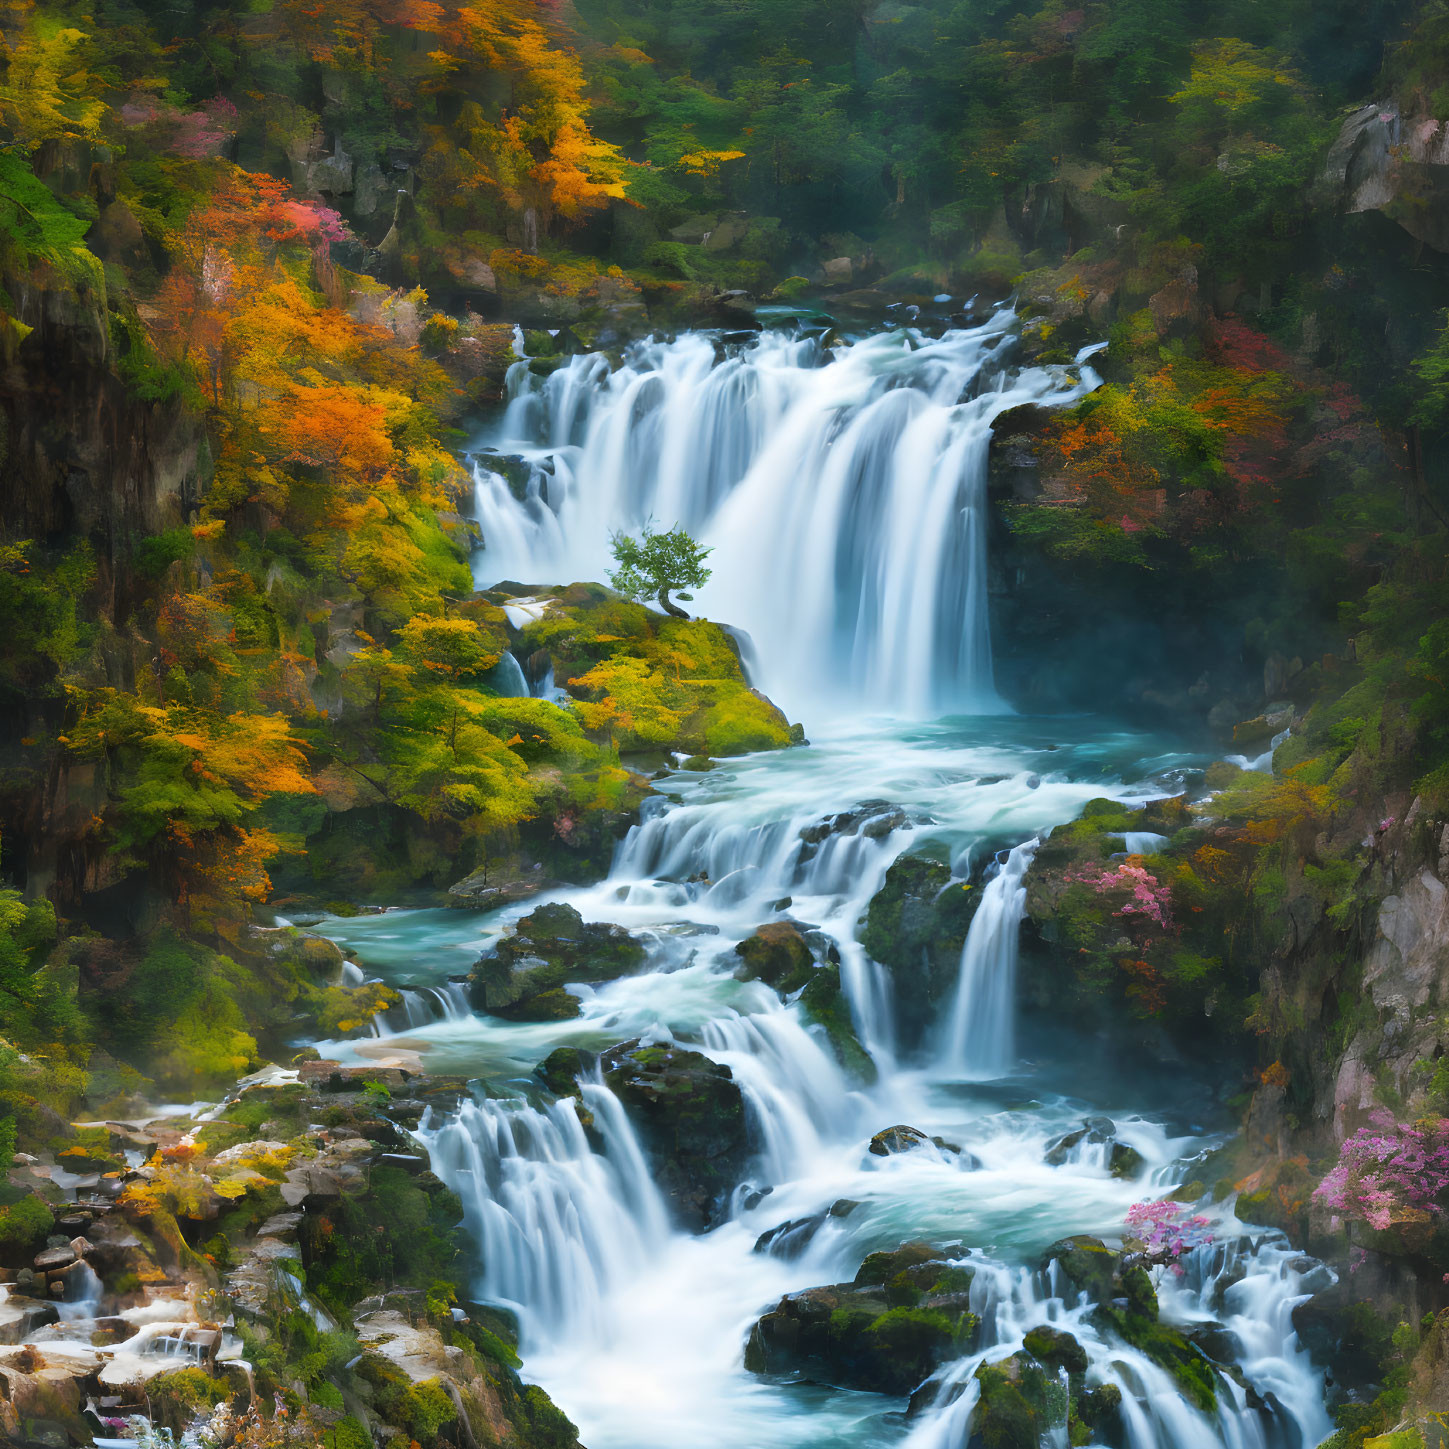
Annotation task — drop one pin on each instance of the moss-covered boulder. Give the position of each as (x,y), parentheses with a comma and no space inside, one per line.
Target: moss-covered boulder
(522,978)
(778,955)
(1019,1403)
(906,1313)
(685,684)
(824,1003)
(690,1116)
(1056,1350)
(1086,1264)
(781,955)
(916,927)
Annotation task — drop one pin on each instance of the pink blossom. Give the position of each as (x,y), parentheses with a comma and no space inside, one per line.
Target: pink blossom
(1390,1173)
(1168,1229)
(1147,896)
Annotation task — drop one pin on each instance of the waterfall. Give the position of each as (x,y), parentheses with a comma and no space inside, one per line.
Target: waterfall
(980,1040)
(843,492)
(506,678)
(1271,1401)
(559,1226)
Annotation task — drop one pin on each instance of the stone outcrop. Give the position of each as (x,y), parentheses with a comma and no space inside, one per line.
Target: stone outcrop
(523,977)
(905,1314)
(690,1116)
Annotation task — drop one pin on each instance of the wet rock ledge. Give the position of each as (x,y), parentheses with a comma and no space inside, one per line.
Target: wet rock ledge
(294,1250)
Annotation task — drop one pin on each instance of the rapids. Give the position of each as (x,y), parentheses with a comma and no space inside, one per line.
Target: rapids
(843,491)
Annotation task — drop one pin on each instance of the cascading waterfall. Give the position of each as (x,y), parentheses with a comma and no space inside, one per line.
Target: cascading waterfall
(980,1039)
(1281,1412)
(843,491)
(558,1224)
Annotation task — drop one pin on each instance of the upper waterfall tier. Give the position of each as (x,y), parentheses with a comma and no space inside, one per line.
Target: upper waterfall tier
(843,491)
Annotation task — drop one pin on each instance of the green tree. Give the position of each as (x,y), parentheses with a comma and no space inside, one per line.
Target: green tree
(655,565)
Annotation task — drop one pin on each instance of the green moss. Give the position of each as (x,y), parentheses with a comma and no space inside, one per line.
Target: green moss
(177,1397)
(24,1225)
(824,1004)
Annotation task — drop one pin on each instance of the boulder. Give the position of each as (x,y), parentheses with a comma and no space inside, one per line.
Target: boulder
(1087,1264)
(778,955)
(523,977)
(899,1139)
(824,1003)
(690,1116)
(916,927)
(906,1313)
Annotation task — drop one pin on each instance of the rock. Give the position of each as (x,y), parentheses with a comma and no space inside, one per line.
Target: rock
(488,892)
(916,927)
(1338,1329)
(825,1005)
(790,1239)
(839,271)
(777,955)
(897,1139)
(118,237)
(262,1147)
(1055,1349)
(560,1070)
(1393,158)
(523,977)
(1016,1405)
(331,174)
(1122,1161)
(54,1258)
(1100,1409)
(690,1116)
(1087,1264)
(906,1313)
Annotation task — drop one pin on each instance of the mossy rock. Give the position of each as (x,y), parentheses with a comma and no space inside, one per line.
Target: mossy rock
(1017,1405)
(915,927)
(1088,1265)
(1055,1349)
(1170,1349)
(524,976)
(690,1116)
(777,955)
(177,1397)
(886,1336)
(560,1070)
(823,1003)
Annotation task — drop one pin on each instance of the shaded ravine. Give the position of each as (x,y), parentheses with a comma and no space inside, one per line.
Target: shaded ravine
(843,492)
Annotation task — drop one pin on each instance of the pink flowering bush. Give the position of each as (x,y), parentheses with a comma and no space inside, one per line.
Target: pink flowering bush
(1393,1174)
(196,135)
(1168,1229)
(1146,895)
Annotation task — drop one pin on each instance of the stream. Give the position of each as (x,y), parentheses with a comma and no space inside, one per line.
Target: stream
(841,484)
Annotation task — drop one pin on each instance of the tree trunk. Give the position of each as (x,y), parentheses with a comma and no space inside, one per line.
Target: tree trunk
(669,606)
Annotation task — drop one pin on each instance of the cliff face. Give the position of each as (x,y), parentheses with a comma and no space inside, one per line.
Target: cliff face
(83,456)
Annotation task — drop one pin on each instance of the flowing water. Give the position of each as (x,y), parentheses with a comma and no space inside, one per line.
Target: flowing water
(843,492)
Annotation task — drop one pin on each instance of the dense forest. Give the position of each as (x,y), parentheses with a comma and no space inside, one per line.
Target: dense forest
(271,271)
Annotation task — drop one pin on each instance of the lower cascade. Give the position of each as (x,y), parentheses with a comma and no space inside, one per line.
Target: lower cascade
(687,1222)
(641,1325)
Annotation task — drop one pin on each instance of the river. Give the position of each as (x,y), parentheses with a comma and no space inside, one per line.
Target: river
(841,484)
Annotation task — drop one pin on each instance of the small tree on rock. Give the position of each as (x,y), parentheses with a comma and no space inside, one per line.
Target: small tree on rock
(654,565)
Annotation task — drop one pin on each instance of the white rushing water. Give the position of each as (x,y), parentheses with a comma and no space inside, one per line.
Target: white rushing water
(843,493)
